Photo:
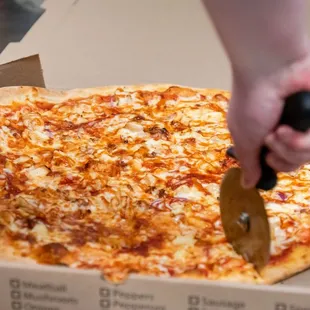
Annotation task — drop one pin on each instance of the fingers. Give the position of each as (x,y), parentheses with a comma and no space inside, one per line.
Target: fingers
(289,149)
(249,161)
(297,141)
(279,164)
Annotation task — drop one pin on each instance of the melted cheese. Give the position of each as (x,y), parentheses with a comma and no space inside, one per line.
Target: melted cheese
(36,173)
(129,181)
(132,131)
(191,193)
(184,240)
(278,236)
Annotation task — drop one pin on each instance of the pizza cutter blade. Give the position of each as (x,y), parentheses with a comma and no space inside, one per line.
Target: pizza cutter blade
(244,219)
(243,213)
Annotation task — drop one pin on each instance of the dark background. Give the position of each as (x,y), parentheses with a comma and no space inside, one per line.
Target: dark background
(16,19)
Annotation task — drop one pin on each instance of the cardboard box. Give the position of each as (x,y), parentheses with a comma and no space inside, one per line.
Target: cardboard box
(38,287)
(99,51)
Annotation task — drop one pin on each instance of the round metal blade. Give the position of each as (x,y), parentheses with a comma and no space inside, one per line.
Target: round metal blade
(244,219)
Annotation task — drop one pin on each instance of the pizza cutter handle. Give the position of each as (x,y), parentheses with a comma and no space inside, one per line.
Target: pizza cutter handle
(296,114)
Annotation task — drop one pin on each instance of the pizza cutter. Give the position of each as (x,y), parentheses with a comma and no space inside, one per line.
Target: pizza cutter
(243,213)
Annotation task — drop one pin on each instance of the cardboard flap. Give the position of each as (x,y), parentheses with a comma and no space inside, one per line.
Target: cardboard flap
(26,71)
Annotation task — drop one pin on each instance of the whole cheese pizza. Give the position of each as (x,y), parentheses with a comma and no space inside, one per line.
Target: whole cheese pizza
(126,180)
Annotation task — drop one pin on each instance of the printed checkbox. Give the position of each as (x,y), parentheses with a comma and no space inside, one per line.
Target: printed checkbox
(280,306)
(15,295)
(193,300)
(16,305)
(15,283)
(105,303)
(104,292)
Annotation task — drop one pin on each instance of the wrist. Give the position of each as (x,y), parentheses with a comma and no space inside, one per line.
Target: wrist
(256,69)
(283,82)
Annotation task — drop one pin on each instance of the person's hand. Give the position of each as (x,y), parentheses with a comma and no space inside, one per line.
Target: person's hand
(254,111)
(267,44)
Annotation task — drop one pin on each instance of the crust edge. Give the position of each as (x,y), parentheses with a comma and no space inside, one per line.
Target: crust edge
(20,92)
(296,261)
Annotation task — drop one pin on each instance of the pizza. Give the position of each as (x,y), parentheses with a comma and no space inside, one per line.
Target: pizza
(126,179)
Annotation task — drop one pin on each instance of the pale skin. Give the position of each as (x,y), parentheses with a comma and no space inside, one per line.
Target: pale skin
(268,47)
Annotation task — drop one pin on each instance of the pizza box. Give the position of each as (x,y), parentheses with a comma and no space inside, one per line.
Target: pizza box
(41,287)
(95,43)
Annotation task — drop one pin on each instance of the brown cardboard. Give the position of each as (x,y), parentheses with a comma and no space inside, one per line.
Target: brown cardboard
(37,287)
(25,71)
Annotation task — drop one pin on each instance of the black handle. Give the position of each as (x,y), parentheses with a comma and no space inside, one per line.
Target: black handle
(296,114)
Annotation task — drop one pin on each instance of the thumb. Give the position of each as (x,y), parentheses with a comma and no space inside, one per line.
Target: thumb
(250,165)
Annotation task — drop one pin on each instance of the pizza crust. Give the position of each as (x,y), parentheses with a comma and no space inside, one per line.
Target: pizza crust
(7,254)
(297,260)
(233,276)
(7,94)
